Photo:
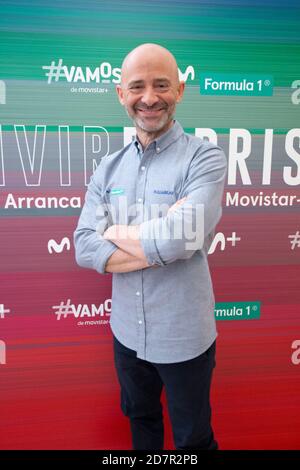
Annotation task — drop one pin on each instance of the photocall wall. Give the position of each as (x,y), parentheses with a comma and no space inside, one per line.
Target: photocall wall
(59,115)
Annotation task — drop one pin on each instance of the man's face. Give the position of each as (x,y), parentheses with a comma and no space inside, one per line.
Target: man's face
(149,92)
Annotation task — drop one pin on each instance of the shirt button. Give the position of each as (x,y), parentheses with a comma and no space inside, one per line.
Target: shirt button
(140,199)
(137,293)
(140,322)
(143,168)
(158,149)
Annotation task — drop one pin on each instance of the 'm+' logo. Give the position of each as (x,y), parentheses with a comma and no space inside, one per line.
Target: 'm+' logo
(2,352)
(188,73)
(2,92)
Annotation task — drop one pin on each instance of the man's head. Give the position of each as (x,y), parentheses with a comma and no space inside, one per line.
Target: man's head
(150,87)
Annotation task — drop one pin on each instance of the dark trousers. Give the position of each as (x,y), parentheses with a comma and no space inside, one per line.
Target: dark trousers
(187,386)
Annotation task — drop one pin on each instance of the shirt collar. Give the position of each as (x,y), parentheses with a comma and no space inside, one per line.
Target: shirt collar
(164,140)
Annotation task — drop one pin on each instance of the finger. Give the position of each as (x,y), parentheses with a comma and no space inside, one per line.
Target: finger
(180,201)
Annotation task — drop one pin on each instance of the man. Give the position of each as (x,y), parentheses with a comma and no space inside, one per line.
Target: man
(162,302)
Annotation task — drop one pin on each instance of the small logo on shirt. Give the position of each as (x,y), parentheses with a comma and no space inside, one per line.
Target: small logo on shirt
(159,191)
(115,191)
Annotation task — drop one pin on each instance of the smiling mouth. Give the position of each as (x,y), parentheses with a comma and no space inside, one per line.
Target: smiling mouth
(150,111)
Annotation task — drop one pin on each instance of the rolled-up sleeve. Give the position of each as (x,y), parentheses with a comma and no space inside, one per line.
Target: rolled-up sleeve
(91,250)
(183,231)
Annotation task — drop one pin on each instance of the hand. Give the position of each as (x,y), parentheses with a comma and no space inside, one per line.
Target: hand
(177,204)
(121,232)
(113,232)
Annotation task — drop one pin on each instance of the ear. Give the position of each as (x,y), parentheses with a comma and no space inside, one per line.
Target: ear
(180,91)
(120,94)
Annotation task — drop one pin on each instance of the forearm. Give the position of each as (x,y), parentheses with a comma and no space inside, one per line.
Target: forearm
(122,262)
(126,237)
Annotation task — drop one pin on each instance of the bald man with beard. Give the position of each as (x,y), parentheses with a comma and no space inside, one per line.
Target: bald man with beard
(162,317)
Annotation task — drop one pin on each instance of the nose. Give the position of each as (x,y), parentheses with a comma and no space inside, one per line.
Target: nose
(149,97)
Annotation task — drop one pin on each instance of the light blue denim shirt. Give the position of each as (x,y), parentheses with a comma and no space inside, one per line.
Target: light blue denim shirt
(164,312)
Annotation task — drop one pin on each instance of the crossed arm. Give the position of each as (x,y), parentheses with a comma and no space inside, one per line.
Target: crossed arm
(130,255)
(126,248)
(122,262)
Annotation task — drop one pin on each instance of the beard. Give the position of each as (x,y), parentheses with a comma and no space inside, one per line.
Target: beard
(156,126)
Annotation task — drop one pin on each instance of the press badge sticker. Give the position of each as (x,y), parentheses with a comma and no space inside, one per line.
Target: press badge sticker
(116,191)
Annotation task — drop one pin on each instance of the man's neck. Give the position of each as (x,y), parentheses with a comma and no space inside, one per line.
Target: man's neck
(145,138)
